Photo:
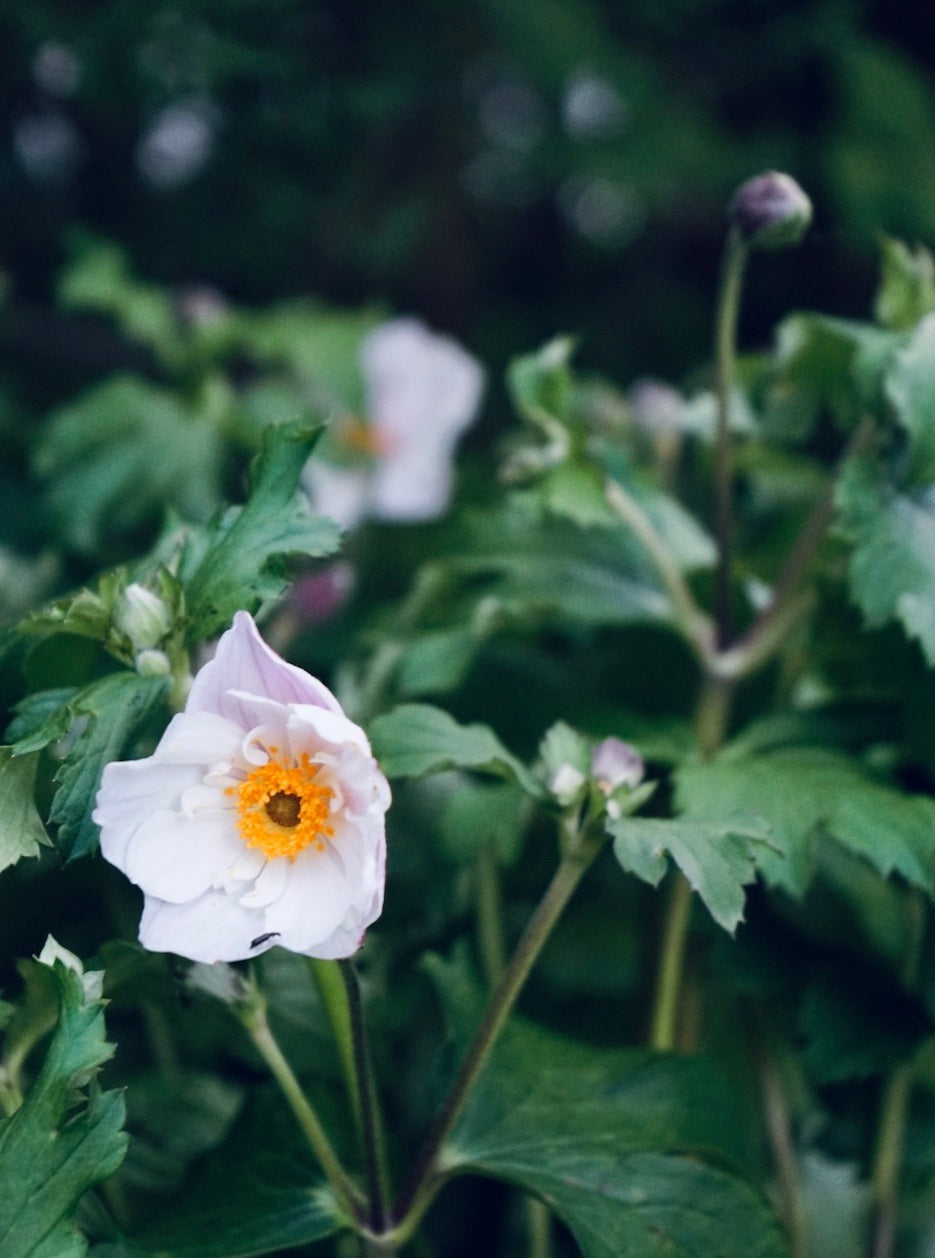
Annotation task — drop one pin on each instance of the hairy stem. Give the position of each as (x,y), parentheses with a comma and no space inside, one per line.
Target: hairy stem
(427,1176)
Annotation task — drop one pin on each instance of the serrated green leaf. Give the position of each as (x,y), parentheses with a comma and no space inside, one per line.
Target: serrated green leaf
(617,1144)
(715,856)
(416,739)
(115,708)
(21,830)
(907,285)
(910,390)
(41,718)
(115,459)
(802,793)
(825,364)
(235,567)
(892,568)
(50,1151)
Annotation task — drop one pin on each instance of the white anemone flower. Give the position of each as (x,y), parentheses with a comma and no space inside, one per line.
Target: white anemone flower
(258,820)
(422,391)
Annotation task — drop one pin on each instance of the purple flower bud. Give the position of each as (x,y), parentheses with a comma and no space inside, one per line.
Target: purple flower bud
(770,211)
(615,763)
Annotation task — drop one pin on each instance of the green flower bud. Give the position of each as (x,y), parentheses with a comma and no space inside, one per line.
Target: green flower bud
(770,211)
(152,663)
(142,617)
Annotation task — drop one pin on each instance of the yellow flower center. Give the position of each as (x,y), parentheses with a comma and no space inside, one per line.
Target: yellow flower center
(283,810)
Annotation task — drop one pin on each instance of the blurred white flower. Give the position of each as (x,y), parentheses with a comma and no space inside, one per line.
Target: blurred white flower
(258,820)
(422,392)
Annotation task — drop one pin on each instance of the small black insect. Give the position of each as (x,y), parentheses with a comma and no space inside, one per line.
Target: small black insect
(261,939)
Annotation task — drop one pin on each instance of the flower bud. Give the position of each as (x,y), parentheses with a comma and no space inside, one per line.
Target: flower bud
(770,211)
(142,617)
(152,663)
(615,763)
(566,783)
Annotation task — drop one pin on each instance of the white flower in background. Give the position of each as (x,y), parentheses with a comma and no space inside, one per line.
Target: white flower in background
(422,391)
(258,820)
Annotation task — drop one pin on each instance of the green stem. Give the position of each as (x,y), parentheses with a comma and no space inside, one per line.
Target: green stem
(664,1023)
(345,1191)
(489,904)
(776,1114)
(711,721)
(488,908)
(693,621)
(333,993)
(770,628)
(728,311)
(894,1108)
(428,1174)
(371,1127)
(894,1111)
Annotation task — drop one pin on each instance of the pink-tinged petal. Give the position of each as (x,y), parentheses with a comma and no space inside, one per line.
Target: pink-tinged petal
(313,729)
(213,927)
(338,492)
(199,738)
(314,902)
(243,662)
(415,485)
(176,858)
(419,384)
(423,392)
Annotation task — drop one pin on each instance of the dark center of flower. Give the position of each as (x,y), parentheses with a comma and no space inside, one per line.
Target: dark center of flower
(284,809)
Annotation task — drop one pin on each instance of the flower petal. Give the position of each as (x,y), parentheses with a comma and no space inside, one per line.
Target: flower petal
(244,662)
(212,927)
(130,792)
(176,858)
(316,899)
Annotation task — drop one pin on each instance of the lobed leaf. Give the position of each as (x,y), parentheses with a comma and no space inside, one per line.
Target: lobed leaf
(52,1151)
(627,1148)
(237,563)
(715,856)
(892,568)
(115,708)
(806,792)
(21,830)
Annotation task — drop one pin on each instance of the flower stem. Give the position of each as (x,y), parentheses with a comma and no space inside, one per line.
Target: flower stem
(346,1192)
(333,993)
(488,905)
(776,1114)
(664,1022)
(694,623)
(894,1107)
(728,310)
(371,1127)
(427,1177)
